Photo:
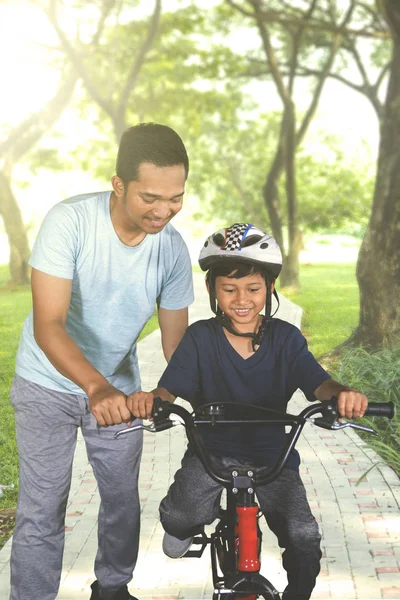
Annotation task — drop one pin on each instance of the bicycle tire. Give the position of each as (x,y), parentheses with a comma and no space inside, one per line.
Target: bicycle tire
(265,596)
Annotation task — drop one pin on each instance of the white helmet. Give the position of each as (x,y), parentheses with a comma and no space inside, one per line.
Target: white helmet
(245,243)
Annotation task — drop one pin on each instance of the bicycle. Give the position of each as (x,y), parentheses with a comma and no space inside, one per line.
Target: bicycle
(236,541)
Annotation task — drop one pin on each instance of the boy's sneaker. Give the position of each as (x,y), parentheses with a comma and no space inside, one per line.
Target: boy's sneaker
(121,594)
(174,547)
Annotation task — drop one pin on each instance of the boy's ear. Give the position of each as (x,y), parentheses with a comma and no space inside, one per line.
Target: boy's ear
(208,285)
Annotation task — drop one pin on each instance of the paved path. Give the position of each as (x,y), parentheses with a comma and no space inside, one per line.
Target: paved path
(360,524)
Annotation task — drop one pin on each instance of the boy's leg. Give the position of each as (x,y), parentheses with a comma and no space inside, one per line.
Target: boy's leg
(192,500)
(287,512)
(115,465)
(46,426)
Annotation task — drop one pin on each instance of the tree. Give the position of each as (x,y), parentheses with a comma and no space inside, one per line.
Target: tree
(226,175)
(114,102)
(21,140)
(301,39)
(378,266)
(182,79)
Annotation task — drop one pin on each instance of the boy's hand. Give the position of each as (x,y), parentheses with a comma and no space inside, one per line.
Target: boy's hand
(352,404)
(140,404)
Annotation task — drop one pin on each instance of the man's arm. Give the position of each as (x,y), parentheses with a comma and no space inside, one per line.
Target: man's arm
(351,404)
(51,299)
(173,324)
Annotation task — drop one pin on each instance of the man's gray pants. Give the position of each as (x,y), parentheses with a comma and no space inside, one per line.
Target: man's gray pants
(47,422)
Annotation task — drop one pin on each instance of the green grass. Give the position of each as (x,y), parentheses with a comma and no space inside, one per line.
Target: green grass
(329,298)
(15,304)
(376,374)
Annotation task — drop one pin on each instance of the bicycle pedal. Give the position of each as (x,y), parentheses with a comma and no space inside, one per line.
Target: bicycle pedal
(200,540)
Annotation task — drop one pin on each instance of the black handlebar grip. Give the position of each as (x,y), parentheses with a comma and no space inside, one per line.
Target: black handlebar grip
(380,409)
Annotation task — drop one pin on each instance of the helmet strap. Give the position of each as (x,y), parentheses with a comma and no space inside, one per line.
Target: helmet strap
(257,337)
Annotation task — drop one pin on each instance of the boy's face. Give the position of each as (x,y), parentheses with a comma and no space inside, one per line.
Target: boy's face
(242,299)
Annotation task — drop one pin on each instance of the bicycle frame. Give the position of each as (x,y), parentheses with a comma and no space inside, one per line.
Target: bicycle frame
(236,542)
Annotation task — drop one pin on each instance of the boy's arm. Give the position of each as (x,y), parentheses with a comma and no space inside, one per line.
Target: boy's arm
(351,404)
(140,404)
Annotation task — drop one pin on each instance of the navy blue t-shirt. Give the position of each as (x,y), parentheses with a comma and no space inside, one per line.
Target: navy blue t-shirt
(205,368)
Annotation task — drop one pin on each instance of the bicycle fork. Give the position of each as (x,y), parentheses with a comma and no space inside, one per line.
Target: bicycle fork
(237,544)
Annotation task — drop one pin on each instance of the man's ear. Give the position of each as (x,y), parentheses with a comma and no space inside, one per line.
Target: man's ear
(118,186)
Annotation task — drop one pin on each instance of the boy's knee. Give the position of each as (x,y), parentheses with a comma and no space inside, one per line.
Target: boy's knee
(304,535)
(174,522)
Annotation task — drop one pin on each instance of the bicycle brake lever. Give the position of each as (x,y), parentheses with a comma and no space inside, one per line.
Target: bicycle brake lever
(336,425)
(339,425)
(150,428)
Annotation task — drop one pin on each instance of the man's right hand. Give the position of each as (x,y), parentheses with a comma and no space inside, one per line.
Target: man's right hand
(108,405)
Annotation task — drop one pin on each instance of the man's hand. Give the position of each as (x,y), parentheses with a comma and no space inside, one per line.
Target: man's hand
(352,404)
(109,406)
(140,404)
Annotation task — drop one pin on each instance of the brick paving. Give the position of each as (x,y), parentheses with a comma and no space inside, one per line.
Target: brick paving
(360,524)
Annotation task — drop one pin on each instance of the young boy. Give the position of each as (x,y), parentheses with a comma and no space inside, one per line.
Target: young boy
(245,357)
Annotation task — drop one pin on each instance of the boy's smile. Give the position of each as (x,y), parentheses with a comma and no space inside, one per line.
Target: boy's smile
(242,300)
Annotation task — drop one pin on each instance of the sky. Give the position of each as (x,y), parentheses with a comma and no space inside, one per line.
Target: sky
(29,80)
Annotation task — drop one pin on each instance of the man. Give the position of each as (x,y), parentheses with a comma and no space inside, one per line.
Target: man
(100,264)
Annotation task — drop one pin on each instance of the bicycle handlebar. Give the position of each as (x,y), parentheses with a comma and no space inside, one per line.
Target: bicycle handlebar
(212,414)
(380,409)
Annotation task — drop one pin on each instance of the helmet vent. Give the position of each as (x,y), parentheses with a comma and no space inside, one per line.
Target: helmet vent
(250,240)
(219,240)
(264,245)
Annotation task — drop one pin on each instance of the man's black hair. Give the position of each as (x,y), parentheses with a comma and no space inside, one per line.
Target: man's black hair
(151,143)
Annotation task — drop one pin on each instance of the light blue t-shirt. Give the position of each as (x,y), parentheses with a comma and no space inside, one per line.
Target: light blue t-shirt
(115,289)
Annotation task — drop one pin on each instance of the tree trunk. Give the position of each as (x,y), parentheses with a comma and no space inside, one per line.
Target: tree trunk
(271,197)
(16,232)
(378,267)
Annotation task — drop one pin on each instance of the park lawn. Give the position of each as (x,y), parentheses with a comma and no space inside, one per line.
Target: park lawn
(329,297)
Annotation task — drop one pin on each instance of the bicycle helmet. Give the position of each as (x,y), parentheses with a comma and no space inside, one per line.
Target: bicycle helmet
(241,243)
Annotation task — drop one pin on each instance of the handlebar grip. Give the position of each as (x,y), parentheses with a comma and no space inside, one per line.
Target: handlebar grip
(380,409)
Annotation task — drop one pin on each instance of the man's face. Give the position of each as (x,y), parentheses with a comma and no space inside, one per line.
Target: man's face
(149,203)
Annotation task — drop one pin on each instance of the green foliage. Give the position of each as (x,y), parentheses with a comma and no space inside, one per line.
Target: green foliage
(229,166)
(376,374)
(329,297)
(333,191)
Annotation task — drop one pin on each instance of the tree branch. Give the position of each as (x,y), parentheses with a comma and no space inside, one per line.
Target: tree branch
(296,45)
(27,134)
(274,16)
(324,74)
(138,62)
(270,54)
(75,57)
